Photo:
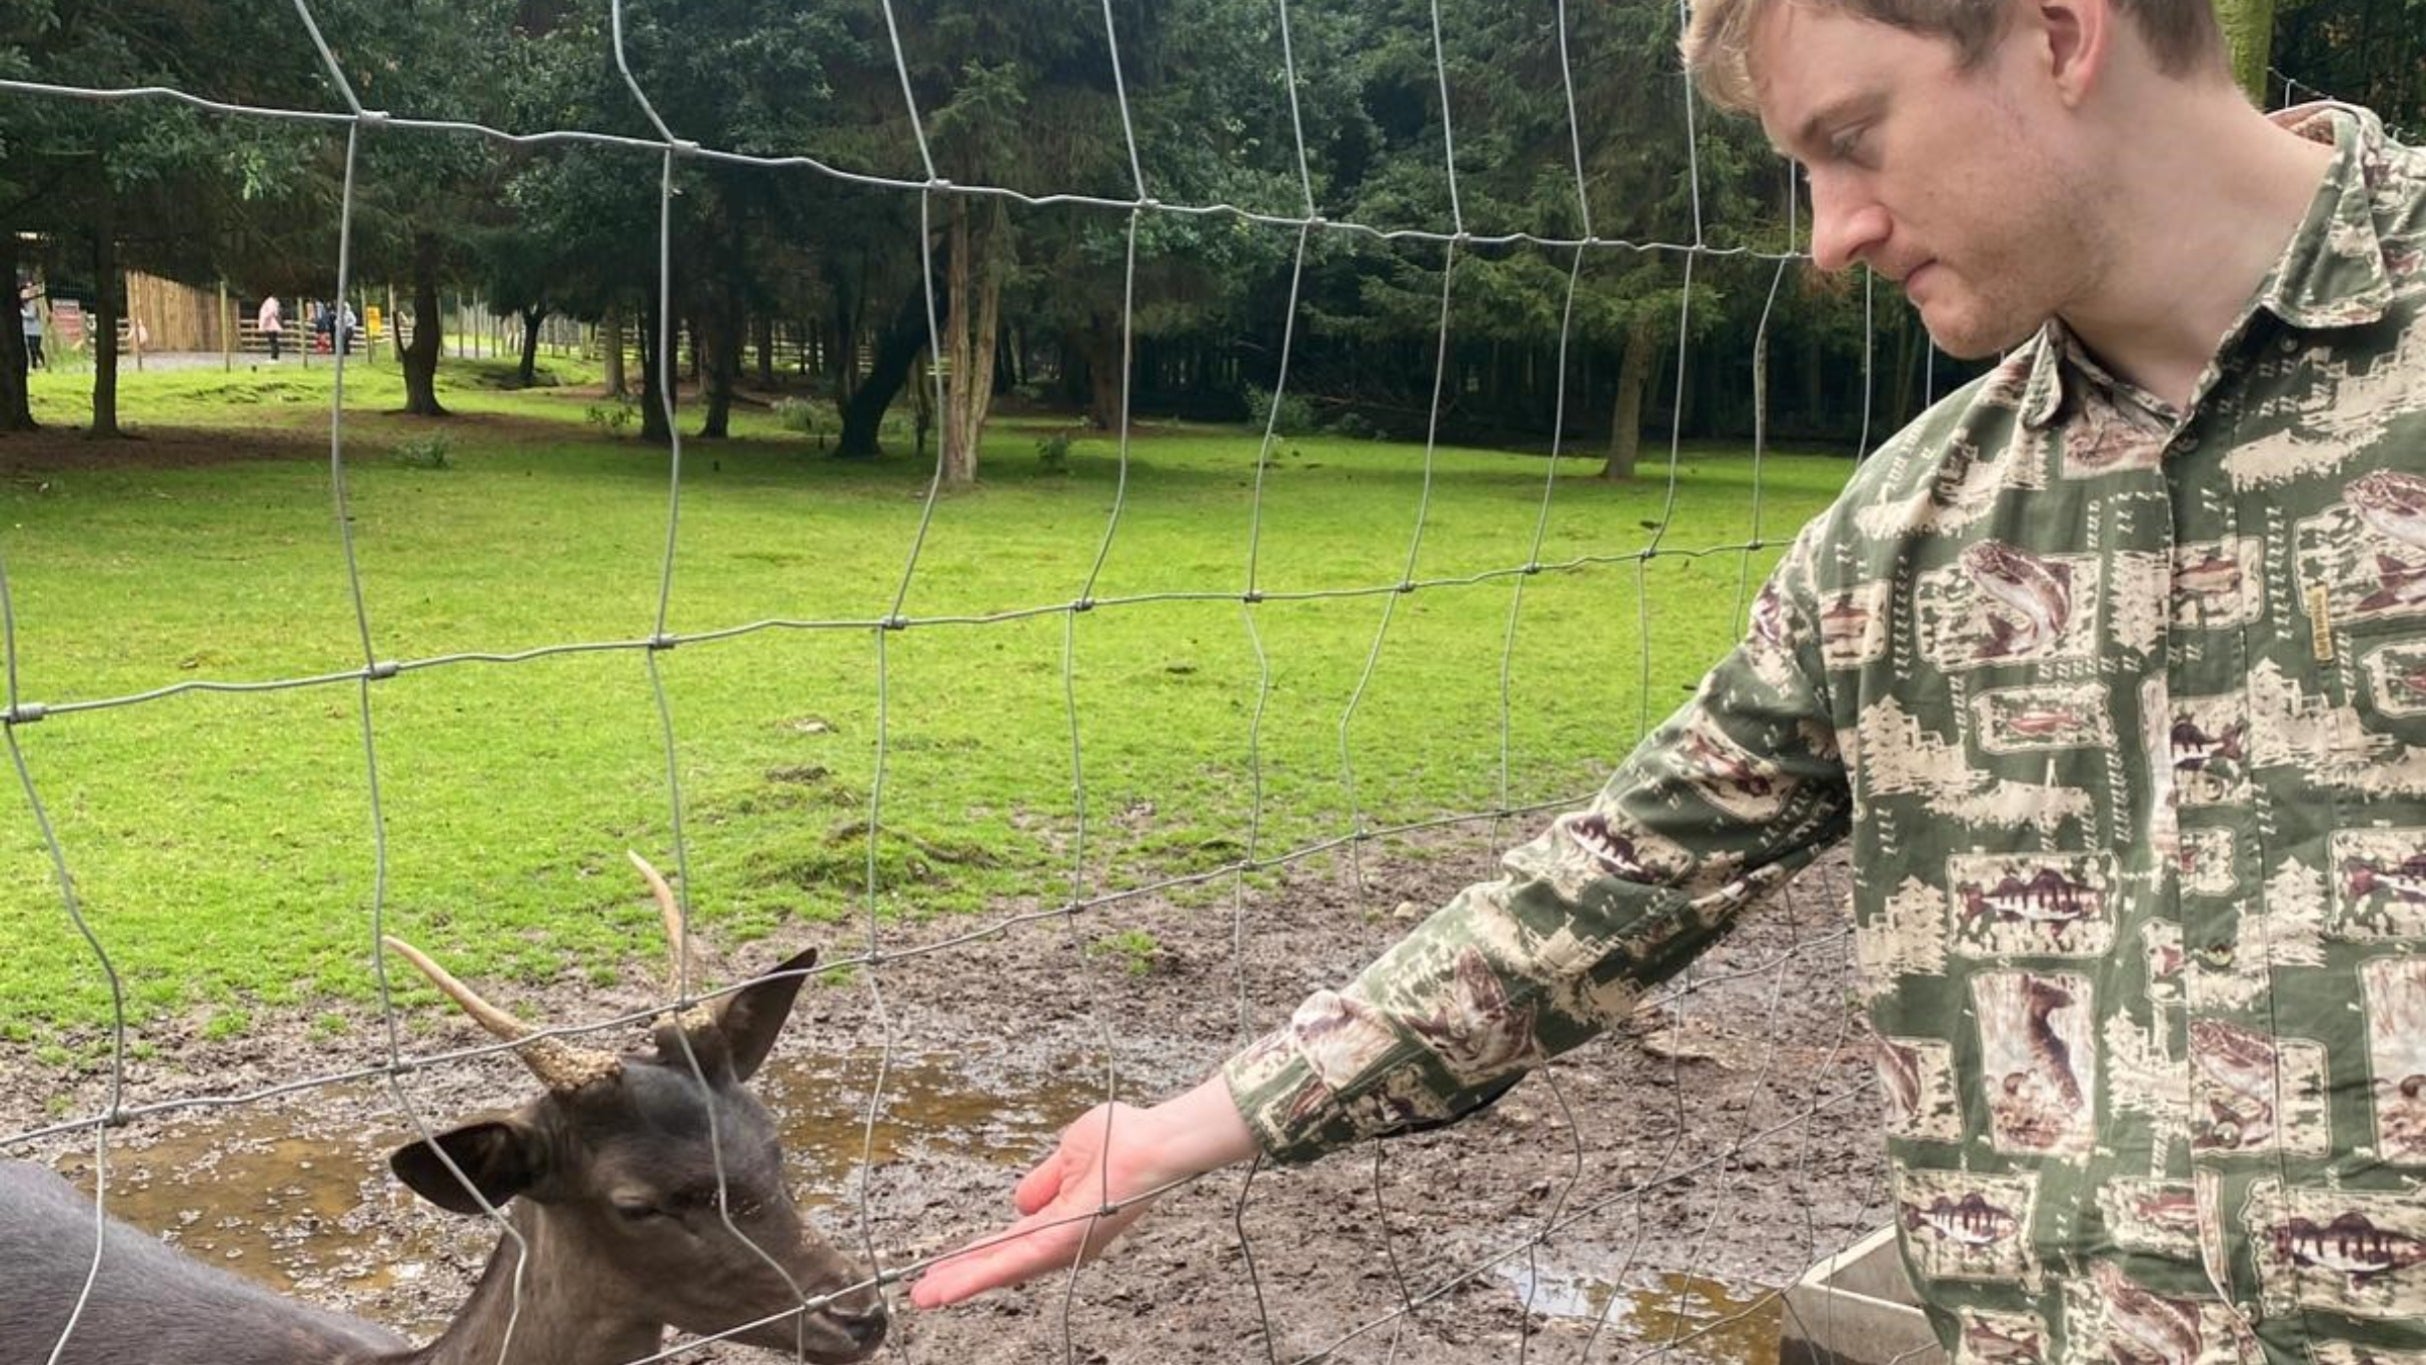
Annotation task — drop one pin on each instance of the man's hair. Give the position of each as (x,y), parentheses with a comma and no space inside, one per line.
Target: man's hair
(2181,34)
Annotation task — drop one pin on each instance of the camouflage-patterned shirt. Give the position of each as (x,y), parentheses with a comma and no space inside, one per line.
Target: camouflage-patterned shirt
(2123,707)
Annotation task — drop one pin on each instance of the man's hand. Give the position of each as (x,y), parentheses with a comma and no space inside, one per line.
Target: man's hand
(1113,1155)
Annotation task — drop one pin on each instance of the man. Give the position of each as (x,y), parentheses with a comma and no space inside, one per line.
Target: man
(2110,666)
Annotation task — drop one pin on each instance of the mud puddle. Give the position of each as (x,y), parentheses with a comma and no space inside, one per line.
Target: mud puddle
(1694,1318)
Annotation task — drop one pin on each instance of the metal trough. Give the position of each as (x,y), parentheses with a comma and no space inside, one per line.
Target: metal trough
(1857,1308)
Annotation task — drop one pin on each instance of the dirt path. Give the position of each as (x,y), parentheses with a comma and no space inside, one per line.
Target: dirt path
(1728,1135)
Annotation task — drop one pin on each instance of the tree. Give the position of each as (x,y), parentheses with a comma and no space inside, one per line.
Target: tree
(103,187)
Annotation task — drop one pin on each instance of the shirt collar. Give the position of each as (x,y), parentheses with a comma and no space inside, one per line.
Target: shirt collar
(2333,274)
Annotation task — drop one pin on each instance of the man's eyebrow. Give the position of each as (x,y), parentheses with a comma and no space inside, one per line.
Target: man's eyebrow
(1842,109)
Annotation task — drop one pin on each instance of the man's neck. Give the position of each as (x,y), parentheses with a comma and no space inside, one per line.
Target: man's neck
(2204,213)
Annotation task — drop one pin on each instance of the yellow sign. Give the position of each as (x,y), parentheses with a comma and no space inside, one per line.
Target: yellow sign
(370,317)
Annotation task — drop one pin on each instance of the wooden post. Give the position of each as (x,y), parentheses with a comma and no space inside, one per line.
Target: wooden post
(227,332)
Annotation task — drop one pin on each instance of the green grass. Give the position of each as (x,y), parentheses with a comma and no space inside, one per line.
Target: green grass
(221,843)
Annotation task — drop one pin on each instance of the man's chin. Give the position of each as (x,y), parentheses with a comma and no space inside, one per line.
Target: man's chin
(1968,338)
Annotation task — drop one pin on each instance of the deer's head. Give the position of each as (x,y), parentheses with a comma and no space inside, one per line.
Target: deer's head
(657,1176)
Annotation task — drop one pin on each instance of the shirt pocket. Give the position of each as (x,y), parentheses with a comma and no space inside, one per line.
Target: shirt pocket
(2362,600)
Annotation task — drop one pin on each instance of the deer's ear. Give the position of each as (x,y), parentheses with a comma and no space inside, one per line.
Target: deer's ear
(749,1019)
(499,1156)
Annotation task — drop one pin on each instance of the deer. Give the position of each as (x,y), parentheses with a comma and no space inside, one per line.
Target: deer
(629,1218)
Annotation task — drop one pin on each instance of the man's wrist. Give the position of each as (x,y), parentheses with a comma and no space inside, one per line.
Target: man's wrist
(1199,1130)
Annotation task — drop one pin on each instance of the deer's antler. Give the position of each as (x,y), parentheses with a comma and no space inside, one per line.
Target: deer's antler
(558,1065)
(670,909)
(678,943)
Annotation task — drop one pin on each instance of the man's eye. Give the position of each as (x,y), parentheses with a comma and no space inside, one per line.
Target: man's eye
(1846,144)
(638,1213)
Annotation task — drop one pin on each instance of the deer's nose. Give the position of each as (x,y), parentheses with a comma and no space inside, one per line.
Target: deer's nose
(864,1322)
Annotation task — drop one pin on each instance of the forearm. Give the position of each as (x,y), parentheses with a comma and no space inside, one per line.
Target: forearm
(1739,789)
(1199,1130)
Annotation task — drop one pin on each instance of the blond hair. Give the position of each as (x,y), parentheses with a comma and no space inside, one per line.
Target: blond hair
(2181,34)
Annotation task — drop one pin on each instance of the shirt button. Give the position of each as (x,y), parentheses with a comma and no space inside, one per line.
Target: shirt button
(2288,345)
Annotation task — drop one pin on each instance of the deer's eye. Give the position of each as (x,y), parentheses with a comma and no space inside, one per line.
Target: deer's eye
(637,1210)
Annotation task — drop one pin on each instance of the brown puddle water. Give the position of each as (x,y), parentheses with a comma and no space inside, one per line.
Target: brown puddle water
(305,1212)
(1708,1320)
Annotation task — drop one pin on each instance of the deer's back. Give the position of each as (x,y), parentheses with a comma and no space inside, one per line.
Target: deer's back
(151,1305)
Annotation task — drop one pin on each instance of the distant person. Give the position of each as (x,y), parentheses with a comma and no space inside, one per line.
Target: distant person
(346,324)
(271,323)
(324,325)
(29,316)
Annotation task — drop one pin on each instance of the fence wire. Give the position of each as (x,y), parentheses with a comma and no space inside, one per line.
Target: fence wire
(1419,1278)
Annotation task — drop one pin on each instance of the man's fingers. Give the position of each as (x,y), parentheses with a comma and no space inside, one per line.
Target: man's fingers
(1042,1182)
(1027,1248)
(1046,1240)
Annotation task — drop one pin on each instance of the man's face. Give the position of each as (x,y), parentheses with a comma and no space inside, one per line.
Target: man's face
(1951,182)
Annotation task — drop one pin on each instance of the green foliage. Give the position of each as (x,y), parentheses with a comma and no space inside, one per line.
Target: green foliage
(798,414)
(1296,417)
(426,451)
(613,417)
(1053,453)
(1137,951)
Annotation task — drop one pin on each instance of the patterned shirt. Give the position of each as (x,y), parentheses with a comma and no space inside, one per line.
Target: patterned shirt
(2123,708)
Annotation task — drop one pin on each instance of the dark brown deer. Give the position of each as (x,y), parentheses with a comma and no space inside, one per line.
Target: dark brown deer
(633,1218)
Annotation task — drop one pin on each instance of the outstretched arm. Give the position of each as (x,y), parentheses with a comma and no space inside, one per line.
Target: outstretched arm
(1740,788)
(1111,1157)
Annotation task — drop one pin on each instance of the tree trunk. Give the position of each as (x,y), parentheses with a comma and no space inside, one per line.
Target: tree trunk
(1626,423)
(653,373)
(842,361)
(16,409)
(419,360)
(1072,376)
(610,347)
(528,373)
(719,328)
(1103,372)
(103,324)
(970,327)
(863,411)
(765,337)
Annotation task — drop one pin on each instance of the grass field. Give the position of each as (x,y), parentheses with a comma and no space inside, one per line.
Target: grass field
(221,842)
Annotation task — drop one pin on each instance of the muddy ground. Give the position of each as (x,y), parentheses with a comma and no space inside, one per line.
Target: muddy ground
(1728,1136)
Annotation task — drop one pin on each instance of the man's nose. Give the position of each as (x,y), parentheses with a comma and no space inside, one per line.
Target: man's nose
(1845,224)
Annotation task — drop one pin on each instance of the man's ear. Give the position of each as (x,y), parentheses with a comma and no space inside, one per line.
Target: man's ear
(748,1020)
(2077,38)
(500,1157)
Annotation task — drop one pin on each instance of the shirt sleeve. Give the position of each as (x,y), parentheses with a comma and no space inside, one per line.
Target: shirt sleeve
(1731,796)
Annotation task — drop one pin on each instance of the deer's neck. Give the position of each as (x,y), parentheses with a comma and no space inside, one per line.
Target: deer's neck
(567,1309)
